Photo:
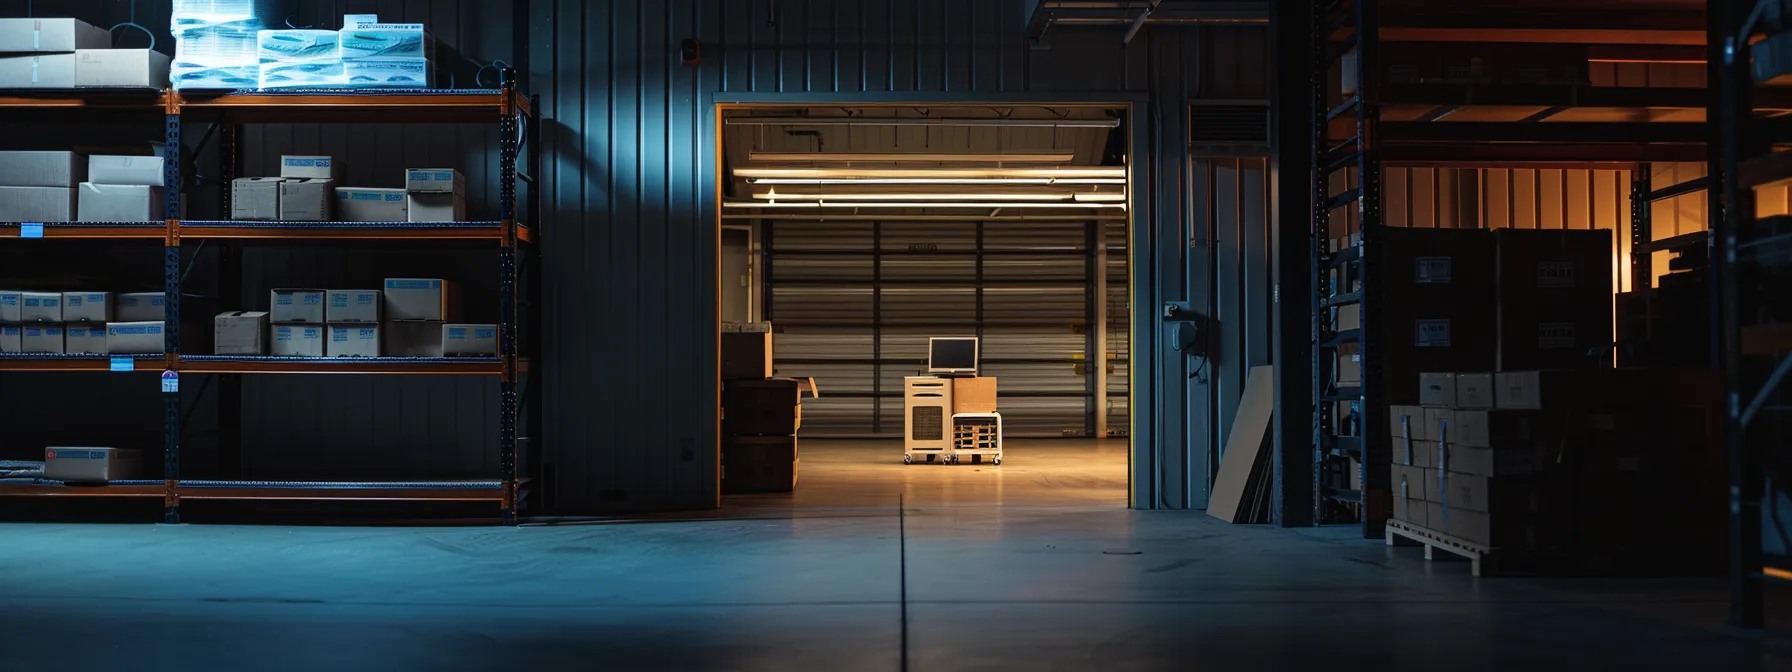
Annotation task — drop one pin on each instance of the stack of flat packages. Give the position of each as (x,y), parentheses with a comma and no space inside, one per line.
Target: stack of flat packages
(215,42)
(390,55)
(39,53)
(297,59)
(760,414)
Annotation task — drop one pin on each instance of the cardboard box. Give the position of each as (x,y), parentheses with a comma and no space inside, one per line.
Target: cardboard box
(1437,389)
(348,306)
(469,340)
(306,200)
(310,168)
(135,338)
(142,307)
(296,340)
(434,181)
(759,464)
(413,339)
(1405,419)
(297,46)
(308,74)
(1350,365)
(746,356)
(1474,390)
(1555,298)
(358,204)
(20,36)
(255,198)
(42,169)
(435,207)
(974,395)
(39,307)
(1349,317)
(91,464)
(42,338)
(118,203)
(760,407)
(354,340)
(139,170)
(1409,493)
(85,339)
(37,204)
(240,332)
(430,299)
(46,71)
(11,338)
(10,302)
(296,306)
(87,306)
(386,41)
(121,68)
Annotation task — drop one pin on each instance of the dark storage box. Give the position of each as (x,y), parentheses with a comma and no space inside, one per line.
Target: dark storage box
(1555,298)
(1433,312)
(746,356)
(759,464)
(760,407)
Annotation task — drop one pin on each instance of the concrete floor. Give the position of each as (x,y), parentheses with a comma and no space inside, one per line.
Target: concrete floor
(1034,565)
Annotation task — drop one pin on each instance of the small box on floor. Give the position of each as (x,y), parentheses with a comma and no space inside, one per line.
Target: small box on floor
(469,340)
(43,339)
(121,68)
(255,198)
(435,207)
(296,306)
(35,35)
(306,200)
(87,306)
(44,71)
(297,340)
(135,338)
(358,204)
(352,306)
(746,356)
(310,167)
(42,169)
(142,307)
(37,204)
(759,464)
(410,299)
(354,340)
(240,332)
(413,339)
(85,339)
(434,181)
(143,171)
(118,203)
(91,465)
(10,337)
(37,307)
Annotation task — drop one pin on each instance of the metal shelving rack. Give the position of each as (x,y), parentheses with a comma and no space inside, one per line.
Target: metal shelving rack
(513,235)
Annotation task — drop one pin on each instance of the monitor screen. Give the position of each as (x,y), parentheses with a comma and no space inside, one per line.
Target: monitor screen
(952,355)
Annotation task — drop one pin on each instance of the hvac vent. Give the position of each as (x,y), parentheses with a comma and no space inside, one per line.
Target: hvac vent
(1229,129)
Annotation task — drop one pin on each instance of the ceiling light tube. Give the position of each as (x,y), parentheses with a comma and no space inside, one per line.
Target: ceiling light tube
(1010,122)
(949,180)
(933,157)
(937,173)
(895,204)
(1103,197)
(775,195)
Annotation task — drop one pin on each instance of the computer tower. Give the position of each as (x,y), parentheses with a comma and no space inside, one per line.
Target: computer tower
(926,418)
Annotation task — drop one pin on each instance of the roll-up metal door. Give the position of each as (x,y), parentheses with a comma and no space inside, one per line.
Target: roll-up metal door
(856,301)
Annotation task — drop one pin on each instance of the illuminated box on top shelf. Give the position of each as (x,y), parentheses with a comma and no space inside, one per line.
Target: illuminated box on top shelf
(297,46)
(386,41)
(404,73)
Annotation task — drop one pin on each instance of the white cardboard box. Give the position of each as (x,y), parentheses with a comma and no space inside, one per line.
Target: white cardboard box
(44,71)
(141,307)
(240,332)
(306,200)
(10,302)
(10,338)
(84,464)
(87,307)
(296,306)
(389,73)
(434,181)
(255,198)
(297,340)
(40,307)
(142,170)
(309,74)
(45,338)
(354,340)
(359,204)
(42,169)
(310,167)
(83,339)
(419,299)
(352,306)
(118,203)
(37,204)
(18,36)
(134,338)
(435,207)
(413,339)
(297,46)
(480,340)
(121,68)
(386,41)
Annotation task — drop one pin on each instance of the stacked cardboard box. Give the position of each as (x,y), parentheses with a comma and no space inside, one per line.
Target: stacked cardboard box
(80,322)
(1555,298)
(410,317)
(760,414)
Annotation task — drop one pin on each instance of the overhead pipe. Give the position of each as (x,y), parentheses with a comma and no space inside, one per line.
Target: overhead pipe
(1140,13)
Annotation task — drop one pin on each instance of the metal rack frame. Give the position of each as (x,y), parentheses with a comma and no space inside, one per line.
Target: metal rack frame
(518,264)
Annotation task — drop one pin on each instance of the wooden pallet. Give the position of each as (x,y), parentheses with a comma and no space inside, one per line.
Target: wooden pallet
(1482,559)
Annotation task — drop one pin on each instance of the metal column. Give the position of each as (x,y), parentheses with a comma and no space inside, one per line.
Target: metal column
(1290,182)
(509,137)
(1099,329)
(171,413)
(1745,456)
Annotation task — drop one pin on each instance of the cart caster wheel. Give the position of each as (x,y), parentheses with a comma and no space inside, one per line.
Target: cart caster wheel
(998,461)
(908,459)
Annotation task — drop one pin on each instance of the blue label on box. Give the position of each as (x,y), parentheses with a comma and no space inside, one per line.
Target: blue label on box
(339,301)
(52,331)
(31,230)
(124,364)
(283,333)
(52,303)
(74,301)
(413,284)
(457,333)
(283,300)
(313,299)
(170,382)
(33,303)
(73,454)
(312,334)
(368,334)
(9,300)
(485,333)
(96,298)
(137,330)
(308,163)
(341,336)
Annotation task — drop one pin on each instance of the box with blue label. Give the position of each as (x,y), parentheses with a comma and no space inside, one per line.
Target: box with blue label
(241,333)
(297,340)
(470,340)
(413,339)
(352,306)
(44,339)
(421,299)
(135,338)
(141,307)
(71,464)
(310,167)
(36,307)
(434,181)
(296,305)
(306,199)
(86,306)
(354,340)
(10,338)
(10,302)
(359,204)
(42,71)
(82,339)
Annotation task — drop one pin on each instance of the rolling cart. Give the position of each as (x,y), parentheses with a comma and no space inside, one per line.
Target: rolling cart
(976,435)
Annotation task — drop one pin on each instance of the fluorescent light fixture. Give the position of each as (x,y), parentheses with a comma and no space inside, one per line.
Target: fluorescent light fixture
(894,204)
(937,173)
(934,157)
(949,180)
(775,195)
(1104,197)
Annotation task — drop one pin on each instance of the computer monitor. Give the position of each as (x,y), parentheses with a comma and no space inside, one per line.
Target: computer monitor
(952,354)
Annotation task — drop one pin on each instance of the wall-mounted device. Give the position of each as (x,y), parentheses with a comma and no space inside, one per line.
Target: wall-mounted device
(1187,329)
(952,355)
